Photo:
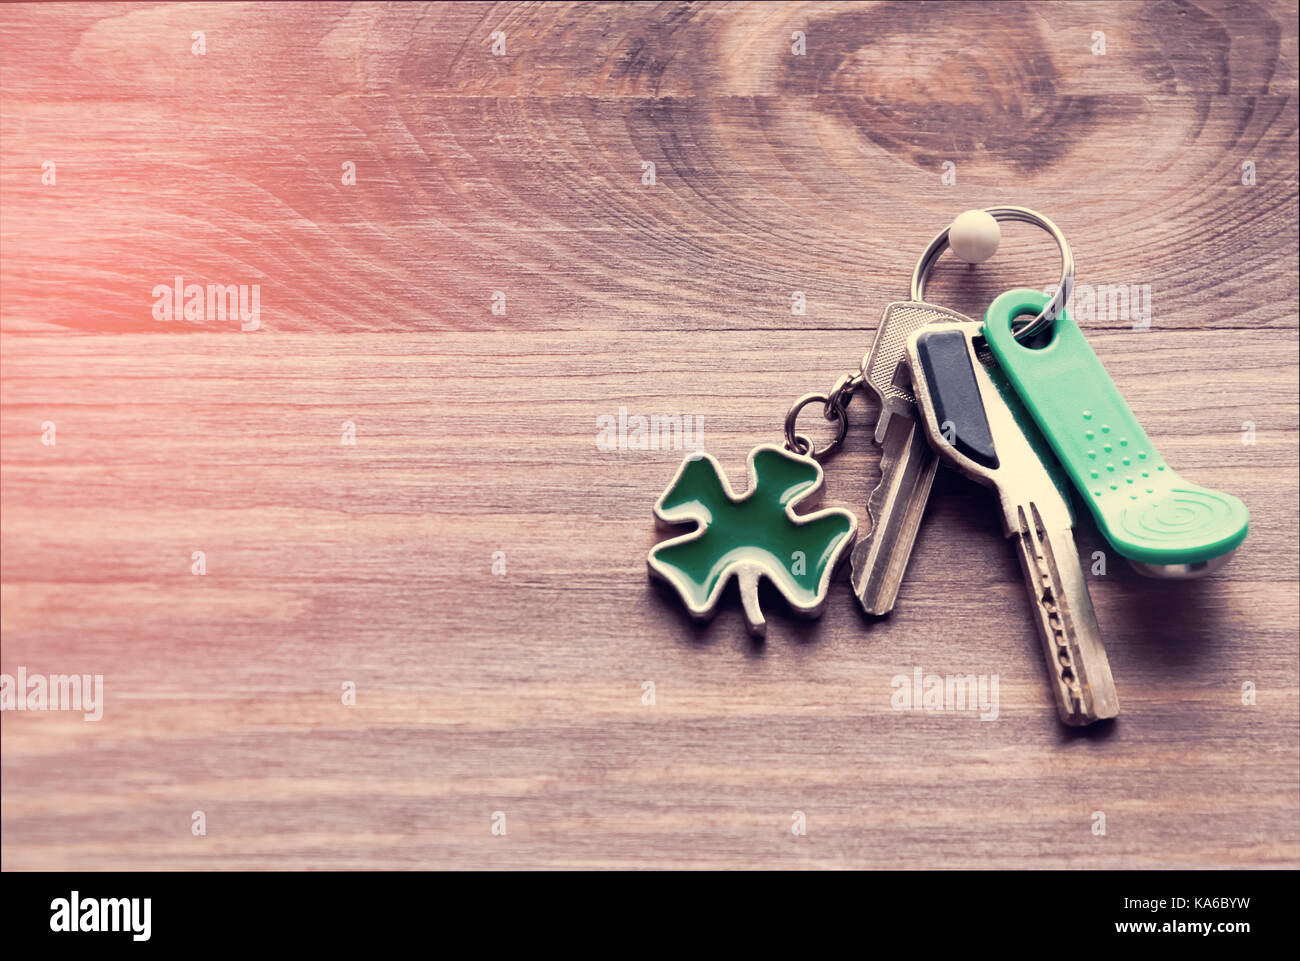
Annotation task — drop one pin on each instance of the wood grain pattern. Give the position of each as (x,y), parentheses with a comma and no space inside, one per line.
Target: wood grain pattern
(475,432)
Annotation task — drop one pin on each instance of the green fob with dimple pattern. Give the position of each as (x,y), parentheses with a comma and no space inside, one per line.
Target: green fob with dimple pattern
(1146,511)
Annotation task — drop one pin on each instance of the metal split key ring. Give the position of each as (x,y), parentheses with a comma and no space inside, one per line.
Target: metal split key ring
(833,408)
(1053,307)
(835,403)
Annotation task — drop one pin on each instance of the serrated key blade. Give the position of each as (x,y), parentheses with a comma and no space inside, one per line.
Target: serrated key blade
(907,464)
(1078,668)
(896,506)
(977,425)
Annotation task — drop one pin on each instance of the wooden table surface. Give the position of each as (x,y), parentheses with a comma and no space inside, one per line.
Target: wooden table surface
(517,180)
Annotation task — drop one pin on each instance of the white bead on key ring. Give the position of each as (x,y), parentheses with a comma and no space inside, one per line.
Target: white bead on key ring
(974,236)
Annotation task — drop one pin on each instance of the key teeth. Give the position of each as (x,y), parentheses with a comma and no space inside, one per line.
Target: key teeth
(1078,706)
(1063,658)
(895,507)
(875,506)
(860,566)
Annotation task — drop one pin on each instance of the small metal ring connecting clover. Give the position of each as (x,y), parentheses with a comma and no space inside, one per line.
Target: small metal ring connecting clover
(841,394)
(833,409)
(1023,214)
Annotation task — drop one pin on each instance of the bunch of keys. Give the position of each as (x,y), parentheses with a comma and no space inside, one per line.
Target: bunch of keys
(1018,403)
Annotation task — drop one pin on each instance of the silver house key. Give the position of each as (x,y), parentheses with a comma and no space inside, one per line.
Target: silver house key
(973,418)
(907,461)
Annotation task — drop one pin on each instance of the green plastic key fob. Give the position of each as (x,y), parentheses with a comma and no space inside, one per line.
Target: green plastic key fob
(1164,525)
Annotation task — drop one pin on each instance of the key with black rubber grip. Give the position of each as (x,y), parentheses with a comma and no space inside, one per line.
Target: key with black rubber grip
(976,424)
(955,394)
